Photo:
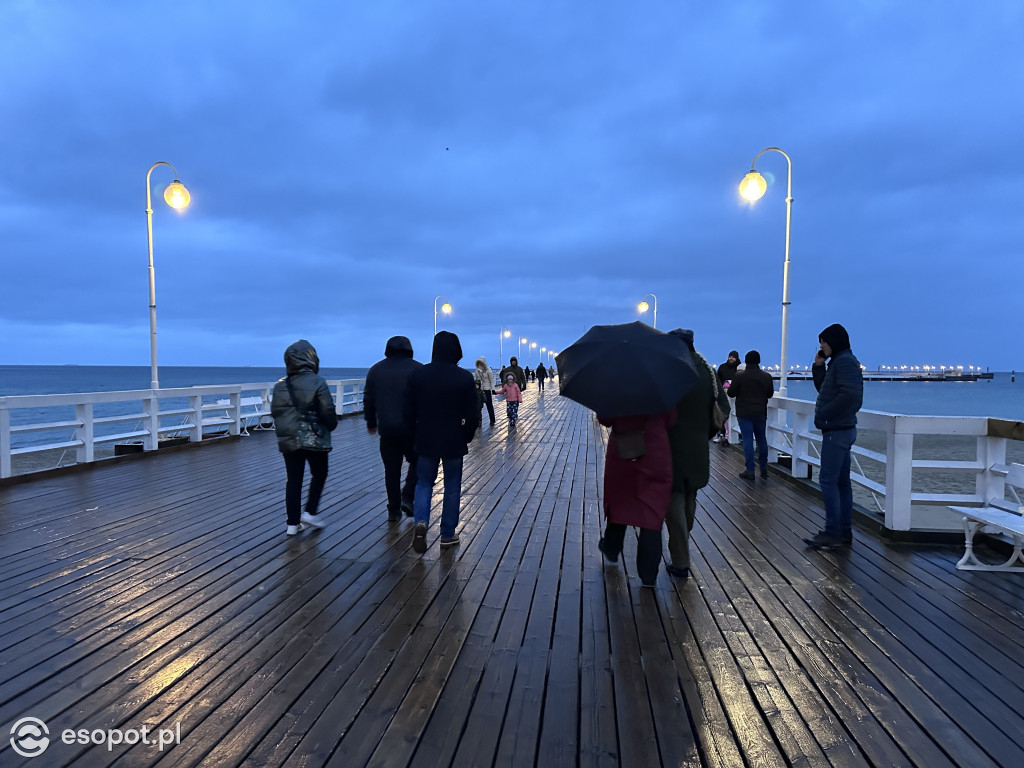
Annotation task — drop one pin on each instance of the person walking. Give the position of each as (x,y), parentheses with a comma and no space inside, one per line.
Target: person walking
(383,395)
(691,465)
(840,387)
(752,388)
(542,373)
(484,377)
(637,487)
(442,411)
(513,397)
(514,369)
(726,373)
(304,417)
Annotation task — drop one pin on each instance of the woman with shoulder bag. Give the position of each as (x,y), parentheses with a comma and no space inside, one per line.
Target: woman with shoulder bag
(304,417)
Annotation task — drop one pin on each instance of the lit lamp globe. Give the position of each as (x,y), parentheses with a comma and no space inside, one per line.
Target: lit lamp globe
(753,186)
(446,308)
(176,195)
(643,306)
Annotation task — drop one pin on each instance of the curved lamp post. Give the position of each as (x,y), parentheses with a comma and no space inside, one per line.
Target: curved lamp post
(178,198)
(643,306)
(503,334)
(522,341)
(446,308)
(752,188)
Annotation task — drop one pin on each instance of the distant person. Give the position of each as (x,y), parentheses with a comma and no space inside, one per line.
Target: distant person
(304,417)
(382,408)
(542,373)
(840,388)
(513,397)
(529,375)
(637,487)
(514,369)
(726,373)
(752,388)
(691,465)
(442,410)
(484,378)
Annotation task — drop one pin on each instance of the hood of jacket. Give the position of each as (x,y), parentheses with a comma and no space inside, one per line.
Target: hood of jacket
(447,348)
(398,346)
(481,363)
(836,337)
(301,356)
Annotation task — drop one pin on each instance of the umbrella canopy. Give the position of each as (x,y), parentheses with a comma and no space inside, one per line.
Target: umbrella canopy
(626,370)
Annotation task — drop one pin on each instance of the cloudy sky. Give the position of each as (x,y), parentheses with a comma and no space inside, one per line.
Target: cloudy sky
(541,164)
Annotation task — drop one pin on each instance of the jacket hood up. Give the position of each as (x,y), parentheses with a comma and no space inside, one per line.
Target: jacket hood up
(753,357)
(447,348)
(836,337)
(301,356)
(481,363)
(398,346)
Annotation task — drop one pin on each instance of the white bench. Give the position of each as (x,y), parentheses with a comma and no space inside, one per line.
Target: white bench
(251,410)
(1002,515)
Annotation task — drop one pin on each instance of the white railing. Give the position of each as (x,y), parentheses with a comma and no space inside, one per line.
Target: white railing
(896,471)
(141,416)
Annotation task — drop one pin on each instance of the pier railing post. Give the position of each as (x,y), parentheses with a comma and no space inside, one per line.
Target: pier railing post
(195,403)
(5,441)
(988,484)
(85,453)
(801,444)
(899,467)
(152,408)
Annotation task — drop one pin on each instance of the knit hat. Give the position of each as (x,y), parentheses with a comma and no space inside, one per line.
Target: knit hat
(735,354)
(836,337)
(753,357)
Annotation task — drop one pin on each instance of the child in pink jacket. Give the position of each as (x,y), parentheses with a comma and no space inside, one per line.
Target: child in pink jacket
(513,397)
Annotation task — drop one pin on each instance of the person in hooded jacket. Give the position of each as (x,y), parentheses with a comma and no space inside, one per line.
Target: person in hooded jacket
(752,388)
(303,396)
(383,398)
(840,388)
(726,373)
(484,378)
(691,464)
(442,410)
(542,373)
(515,370)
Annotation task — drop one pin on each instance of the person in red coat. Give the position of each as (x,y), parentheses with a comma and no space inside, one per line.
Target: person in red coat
(637,490)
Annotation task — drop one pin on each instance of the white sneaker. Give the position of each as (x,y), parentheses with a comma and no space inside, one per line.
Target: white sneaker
(293,529)
(313,520)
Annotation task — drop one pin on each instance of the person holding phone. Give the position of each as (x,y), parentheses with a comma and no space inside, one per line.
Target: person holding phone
(840,386)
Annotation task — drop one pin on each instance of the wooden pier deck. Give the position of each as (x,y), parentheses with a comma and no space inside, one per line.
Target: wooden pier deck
(163,593)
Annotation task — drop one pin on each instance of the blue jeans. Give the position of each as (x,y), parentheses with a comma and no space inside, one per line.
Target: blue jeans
(752,428)
(834,479)
(426,474)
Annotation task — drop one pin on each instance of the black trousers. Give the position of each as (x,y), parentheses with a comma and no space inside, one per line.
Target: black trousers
(489,402)
(392,451)
(295,465)
(648,549)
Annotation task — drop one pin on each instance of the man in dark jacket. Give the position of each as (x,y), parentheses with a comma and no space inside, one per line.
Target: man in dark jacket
(691,466)
(303,398)
(542,373)
(840,388)
(382,407)
(726,373)
(441,410)
(753,388)
(515,370)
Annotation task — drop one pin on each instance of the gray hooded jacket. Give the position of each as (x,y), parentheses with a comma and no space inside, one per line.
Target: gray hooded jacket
(303,365)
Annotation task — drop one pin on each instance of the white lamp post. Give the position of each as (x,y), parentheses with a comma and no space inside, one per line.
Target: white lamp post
(178,198)
(752,188)
(643,306)
(446,308)
(503,334)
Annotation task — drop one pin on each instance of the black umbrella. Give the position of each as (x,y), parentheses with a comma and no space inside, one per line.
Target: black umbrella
(626,370)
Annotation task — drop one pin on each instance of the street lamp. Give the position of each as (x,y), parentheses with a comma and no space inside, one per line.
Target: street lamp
(643,306)
(446,308)
(503,334)
(752,188)
(529,352)
(522,341)
(178,198)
